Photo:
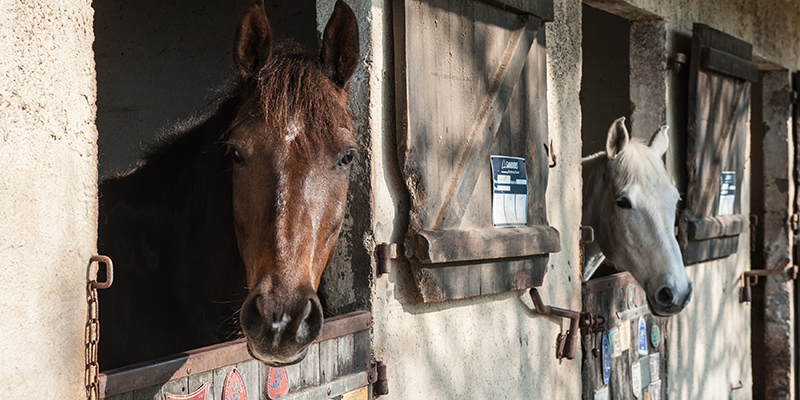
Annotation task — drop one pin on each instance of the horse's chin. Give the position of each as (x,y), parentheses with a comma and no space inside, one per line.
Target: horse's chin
(276,361)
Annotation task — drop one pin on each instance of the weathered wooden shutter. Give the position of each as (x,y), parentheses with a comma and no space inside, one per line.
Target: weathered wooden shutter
(719,116)
(471,80)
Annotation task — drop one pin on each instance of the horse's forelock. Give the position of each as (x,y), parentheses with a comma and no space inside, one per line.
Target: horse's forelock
(639,164)
(295,90)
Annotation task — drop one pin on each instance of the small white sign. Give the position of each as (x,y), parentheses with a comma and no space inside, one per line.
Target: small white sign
(727,193)
(625,335)
(636,379)
(616,342)
(655,366)
(655,390)
(509,191)
(642,337)
(601,394)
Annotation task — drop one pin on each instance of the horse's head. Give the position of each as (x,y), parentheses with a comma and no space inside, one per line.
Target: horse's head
(638,220)
(290,148)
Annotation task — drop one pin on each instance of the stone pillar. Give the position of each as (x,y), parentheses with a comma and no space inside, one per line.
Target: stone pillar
(648,79)
(778,197)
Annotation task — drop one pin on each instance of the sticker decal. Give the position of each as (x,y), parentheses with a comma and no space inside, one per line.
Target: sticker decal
(625,335)
(655,390)
(727,193)
(655,366)
(360,394)
(645,370)
(509,191)
(234,388)
(277,383)
(615,342)
(601,394)
(606,359)
(655,335)
(642,337)
(636,379)
(199,394)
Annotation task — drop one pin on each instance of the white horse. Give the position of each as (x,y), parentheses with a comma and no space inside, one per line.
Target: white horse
(630,202)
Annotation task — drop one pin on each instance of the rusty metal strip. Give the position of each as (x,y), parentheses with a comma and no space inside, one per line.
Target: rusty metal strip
(608,282)
(334,389)
(151,373)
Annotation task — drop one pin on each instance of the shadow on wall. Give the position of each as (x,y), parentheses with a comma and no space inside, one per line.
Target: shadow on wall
(159,62)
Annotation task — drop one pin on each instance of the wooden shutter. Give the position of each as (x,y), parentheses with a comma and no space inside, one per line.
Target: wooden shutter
(471,80)
(719,115)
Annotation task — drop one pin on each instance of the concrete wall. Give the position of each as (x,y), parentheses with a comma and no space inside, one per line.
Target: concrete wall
(48,199)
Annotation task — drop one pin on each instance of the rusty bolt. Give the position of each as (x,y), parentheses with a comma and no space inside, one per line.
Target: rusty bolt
(329,391)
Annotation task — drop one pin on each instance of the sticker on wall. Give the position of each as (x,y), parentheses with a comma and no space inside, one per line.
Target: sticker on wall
(644,368)
(199,394)
(727,193)
(636,379)
(655,390)
(642,337)
(234,386)
(655,366)
(638,297)
(615,342)
(606,359)
(630,296)
(601,394)
(655,335)
(277,383)
(625,335)
(509,191)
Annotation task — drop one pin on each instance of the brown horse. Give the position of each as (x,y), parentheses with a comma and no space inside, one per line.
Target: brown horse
(241,210)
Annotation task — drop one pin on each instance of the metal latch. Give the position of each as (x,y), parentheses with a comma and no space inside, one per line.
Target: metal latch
(567,344)
(746,295)
(386,252)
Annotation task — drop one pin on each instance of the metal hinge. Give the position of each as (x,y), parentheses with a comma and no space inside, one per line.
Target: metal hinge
(378,379)
(386,252)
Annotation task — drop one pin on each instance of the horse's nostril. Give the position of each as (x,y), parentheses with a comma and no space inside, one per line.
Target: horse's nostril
(250,316)
(664,296)
(311,323)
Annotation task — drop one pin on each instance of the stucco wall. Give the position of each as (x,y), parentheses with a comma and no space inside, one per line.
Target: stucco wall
(48,200)
(491,346)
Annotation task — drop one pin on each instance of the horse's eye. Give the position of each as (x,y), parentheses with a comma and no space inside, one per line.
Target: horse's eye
(347,158)
(624,202)
(236,156)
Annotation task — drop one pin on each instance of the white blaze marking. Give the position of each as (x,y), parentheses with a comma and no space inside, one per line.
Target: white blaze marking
(292,131)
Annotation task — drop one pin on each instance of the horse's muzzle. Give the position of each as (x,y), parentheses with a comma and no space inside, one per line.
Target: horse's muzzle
(278,332)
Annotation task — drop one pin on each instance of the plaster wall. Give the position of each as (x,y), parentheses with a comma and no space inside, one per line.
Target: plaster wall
(48,195)
(490,346)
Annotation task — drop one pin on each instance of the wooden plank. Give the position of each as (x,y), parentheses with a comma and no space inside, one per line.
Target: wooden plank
(345,355)
(176,387)
(251,373)
(710,37)
(441,282)
(332,389)
(710,249)
(483,244)
(724,63)
(717,226)
(151,393)
(196,381)
(540,8)
(219,381)
(306,373)
(328,360)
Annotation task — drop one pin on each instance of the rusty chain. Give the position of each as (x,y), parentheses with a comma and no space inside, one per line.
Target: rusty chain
(93,328)
(92,339)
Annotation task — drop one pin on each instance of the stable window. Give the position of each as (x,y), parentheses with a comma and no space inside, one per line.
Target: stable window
(158,63)
(718,120)
(471,84)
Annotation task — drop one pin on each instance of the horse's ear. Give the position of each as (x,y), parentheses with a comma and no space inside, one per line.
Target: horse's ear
(617,138)
(253,45)
(340,51)
(660,140)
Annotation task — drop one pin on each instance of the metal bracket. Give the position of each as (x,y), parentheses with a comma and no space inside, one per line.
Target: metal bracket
(587,237)
(567,344)
(380,381)
(746,295)
(677,62)
(109,272)
(386,252)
